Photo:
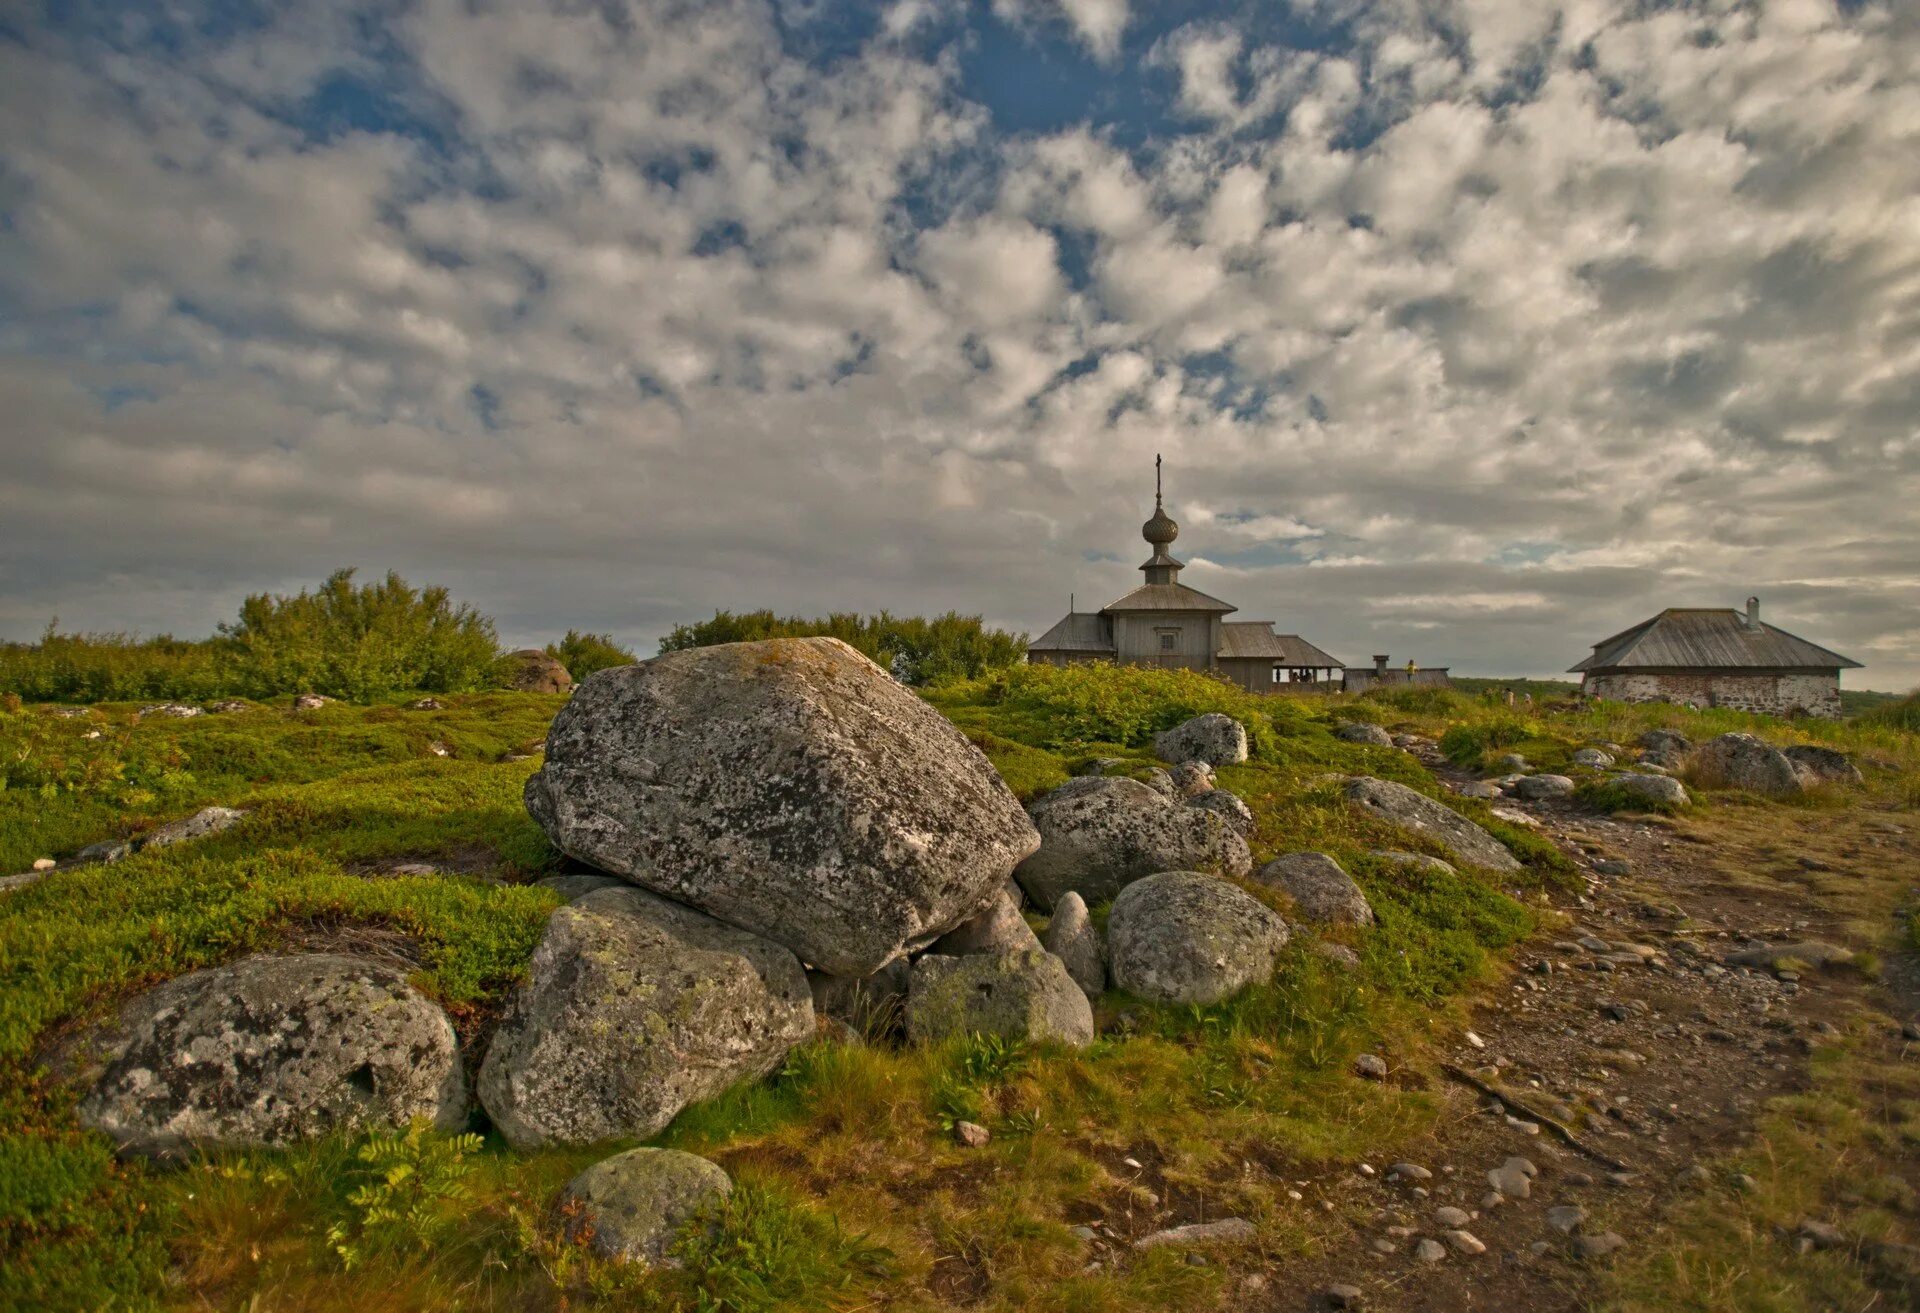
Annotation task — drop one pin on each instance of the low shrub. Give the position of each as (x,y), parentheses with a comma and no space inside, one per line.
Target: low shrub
(917,650)
(583,654)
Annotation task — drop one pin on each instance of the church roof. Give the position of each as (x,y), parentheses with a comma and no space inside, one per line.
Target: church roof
(1081,631)
(1168,597)
(1255,640)
(1716,638)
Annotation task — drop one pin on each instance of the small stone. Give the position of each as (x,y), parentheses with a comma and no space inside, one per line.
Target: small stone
(971,1134)
(1466,1242)
(1381,1245)
(1429,1251)
(1230,1230)
(1344,1297)
(1408,1172)
(1474,1040)
(1371,1066)
(1492,1199)
(1694,1177)
(631,1207)
(1085,1234)
(1539,1248)
(1513,1178)
(1597,1246)
(1566,1218)
(44,863)
(1823,1235)
(1450,1218)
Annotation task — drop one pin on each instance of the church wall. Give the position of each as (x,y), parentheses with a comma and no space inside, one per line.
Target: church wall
(1136,636)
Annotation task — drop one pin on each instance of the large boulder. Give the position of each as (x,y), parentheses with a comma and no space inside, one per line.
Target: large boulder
(1666,742)
(1742,761)
(1659,790)
(1539,788)
(1026,996)
(789,787)
(1401,806)
(1183,937)
(633,1206)
(1816,765)
(633,1008)
(531,670)
(1216,739)
(1230,807)
(1099,840)
(267,1051)
(999,929)
(1073,938)
(1322,891)
(1359,731)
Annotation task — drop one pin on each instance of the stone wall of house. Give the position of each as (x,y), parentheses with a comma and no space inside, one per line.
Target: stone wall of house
(1774,694)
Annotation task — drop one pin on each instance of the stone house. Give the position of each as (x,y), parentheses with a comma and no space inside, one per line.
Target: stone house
(1716,657)
(1165,623)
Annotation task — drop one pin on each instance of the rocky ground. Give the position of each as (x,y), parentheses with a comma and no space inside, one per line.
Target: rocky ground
(1636,1028)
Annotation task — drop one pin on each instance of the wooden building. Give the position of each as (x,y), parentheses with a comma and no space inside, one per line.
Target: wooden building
(1165,623)
(1716,657)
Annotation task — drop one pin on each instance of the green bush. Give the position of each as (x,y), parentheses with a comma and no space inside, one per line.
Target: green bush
(918,650)
(1904,714)
(115,668)
(1467,745)
(583,654)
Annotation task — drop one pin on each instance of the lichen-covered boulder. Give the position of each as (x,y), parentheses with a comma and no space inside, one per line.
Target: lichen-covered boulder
(1401,806)
(1099,840)
(999,929)
(1666,742)
(1073,938)
(790,787)
(1742,761)
(1215,738)
(1596,758)
(531,670)
(1322,891)
(633,1206)
(268,1051)
(1539,788)
(1027,996)
(633,1008)
(1662,790)
(203,823)
(1360,732)
(1817,765)
(1230,807)
(1191,778)
(1183,937)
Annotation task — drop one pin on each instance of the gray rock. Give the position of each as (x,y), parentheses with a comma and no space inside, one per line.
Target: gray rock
(1661,790)
(1409,1172)
(268,1051)
(1465,1242)
(1597,1246)
(1160,782)
(1182,937)
(1015,894)
(1513,763)
(1227,1231)
(1817,765)
(1486,790)
(867,1004)
(633,1206)
(1101,840)
(972,1134)
(1613,866)
(1323,892)
(1535,788)
(1338,954)
(1401,806)
(1419,861)
(633,1008)
(532,670)
(206,821)
(1216,739)
(427,704)
(1191,779)
(1450,1217)
(179,710)
(1371,1066)
(1027,996)
(578,886)
(310,701)
(1593,757)
(1360,732)
(1230,807)
(1429,1251)
(1072,937)
(999,929)
(1566,1218)
(792,788)
(227,707)
(1513,1178)
(1344,1296)
(1665,741)
(108,850)
(1741,761)
(1813,952)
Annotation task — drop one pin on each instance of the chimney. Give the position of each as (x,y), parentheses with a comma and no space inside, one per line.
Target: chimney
(1379,665)
(1753,613)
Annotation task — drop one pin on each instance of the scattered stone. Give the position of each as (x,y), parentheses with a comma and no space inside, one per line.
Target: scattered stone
(1100,840)
(1816,765)
(1370,1066)
(1813,952)
(1594,758)
(227,707)
(633,1008)
(1323,892)
(531,670)
(1665,741)
(1402,806)
(176,709)
(427,704)
(439,749)
(310,701)
(633,1206)
(1345,1297)
(971,1134)
(1466,1242)
(1597,1246)
(1537,788)
(1823,1235)
(1191,778)
(1486,789)
(1513,1178)
(1227,1231)
(1072,938)
(1182,937)
(999,929)
(1230,807)
(1660,790)
(1429,1251)
(1450,1218)
(420,868)
(1566,1218)
(1360,732)
(1613,866)
(1026,996)
(790,787)
(1513,763)
(1214,738)
(1742,761)
(268,1051)
(44,863)
(1408,1172)
(206,821)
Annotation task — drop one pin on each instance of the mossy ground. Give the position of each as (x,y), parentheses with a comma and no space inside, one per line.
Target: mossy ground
(855,1193)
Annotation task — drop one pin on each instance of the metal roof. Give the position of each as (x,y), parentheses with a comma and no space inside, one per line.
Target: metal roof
(1081,631)
(1169,597)
(1255,640)
(1716,638)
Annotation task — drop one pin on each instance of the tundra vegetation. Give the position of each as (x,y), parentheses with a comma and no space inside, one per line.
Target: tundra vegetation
(851,1190)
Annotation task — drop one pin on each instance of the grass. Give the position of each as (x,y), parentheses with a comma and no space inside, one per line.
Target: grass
(851,1188)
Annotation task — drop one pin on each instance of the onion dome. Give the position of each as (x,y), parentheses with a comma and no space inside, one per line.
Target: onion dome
(1161,529)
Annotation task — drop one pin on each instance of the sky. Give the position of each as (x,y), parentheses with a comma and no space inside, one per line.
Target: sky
(1472,331)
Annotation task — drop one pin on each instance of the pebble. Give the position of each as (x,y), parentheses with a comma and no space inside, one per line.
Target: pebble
(1597,1246)
(1823,1235)
(1450,1217)
(1513,1178)
(1408,1172)
(1371,1066)
(1085,1234)
(1566,1218)
(972,1134)
(1492,1199)
(44,863)
(1694,1177)
(1227,1231)
(1381,1245)
(1429,1251)
(1466,1242)
(1344,1296)
(1475,1040)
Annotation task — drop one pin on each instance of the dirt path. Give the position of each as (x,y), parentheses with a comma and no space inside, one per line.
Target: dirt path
(1632,1026)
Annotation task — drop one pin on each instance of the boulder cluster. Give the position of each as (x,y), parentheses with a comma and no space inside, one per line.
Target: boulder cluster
(1732,761)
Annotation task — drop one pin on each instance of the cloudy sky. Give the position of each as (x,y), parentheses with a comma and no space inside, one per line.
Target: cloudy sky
(1472,330)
